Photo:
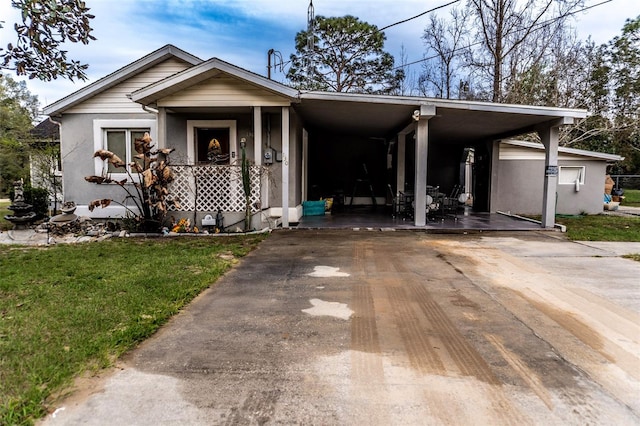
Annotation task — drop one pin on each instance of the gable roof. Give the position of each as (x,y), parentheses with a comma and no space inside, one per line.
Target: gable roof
(204,71)
(46,130)
(565,150)
(124,73)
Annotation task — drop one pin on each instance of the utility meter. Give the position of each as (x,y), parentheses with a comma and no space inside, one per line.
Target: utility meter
(268,156)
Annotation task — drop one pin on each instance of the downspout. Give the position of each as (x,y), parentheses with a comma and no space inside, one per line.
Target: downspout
(55,189)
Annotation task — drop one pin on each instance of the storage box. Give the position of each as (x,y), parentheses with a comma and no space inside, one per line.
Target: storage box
(313,208)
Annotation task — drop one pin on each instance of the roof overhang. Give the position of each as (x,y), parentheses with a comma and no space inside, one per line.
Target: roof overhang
(571,151)
(150,94)
(119,76)
(455,121)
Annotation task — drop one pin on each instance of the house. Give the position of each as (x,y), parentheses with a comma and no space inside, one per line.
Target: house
(304,145)
(45,165)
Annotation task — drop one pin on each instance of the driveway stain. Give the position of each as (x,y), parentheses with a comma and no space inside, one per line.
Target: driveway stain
(329,309)
(327,272)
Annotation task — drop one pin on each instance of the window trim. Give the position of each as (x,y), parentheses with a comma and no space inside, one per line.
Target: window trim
(100,128)
(581,175)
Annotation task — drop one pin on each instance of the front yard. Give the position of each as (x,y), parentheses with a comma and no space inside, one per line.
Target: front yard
(69,309)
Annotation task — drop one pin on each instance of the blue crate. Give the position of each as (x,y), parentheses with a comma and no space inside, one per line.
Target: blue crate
(313,208)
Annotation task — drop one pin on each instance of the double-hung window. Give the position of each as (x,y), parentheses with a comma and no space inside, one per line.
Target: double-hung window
(118,136)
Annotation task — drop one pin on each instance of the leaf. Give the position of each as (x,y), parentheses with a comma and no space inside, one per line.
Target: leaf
(94,179)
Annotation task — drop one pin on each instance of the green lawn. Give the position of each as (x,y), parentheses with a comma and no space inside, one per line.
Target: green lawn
(4,210)
(601,227)
(67,309)
(632,197)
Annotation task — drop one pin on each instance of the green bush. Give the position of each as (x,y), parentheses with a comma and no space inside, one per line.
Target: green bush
(37,197)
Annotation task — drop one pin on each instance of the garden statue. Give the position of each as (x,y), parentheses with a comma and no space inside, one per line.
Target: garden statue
(23,213)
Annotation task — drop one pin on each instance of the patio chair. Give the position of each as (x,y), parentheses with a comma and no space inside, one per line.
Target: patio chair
(392,201)
(450,202)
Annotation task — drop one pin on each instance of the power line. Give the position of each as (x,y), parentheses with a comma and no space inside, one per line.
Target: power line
(539,26)
(419,15)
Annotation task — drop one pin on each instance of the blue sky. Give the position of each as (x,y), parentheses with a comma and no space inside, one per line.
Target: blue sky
(242,31)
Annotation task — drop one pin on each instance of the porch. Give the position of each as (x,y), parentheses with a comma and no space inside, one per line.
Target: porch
(465,220)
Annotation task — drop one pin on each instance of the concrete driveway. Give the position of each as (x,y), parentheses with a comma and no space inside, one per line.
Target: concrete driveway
(383,328)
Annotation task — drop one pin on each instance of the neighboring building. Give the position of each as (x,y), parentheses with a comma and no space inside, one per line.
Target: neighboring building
(45,163)
(520,174)
(304,145)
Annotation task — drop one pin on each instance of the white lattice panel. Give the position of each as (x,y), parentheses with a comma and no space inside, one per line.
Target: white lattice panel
(183,187)
(212,188)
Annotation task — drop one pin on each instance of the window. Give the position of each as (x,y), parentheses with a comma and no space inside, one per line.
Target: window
(120,142)
(118,136)
(568,175)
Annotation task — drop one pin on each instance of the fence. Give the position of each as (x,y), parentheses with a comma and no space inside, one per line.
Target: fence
(209,188)
(626,181)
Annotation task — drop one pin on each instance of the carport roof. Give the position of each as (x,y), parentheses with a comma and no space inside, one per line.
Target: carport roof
(455,121)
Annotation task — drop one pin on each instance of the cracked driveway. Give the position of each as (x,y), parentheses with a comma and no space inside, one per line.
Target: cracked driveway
(382,328)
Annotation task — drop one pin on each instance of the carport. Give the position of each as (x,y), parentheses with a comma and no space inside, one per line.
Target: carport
(411,142)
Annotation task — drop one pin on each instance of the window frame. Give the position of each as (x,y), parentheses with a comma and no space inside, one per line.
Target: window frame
(192,125)
(581,175)
(100,129)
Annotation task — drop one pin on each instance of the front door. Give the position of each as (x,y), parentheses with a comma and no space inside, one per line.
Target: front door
(199,136)
(204,140)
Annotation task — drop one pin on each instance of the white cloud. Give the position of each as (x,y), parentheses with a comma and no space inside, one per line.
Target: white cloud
(127,30)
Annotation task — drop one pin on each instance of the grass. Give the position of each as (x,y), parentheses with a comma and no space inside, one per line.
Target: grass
(601,227)
(632,197)
(4,210)
(68,309)
(635,257)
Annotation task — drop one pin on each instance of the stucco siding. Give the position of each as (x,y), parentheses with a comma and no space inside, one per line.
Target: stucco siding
(223,91)
(77,149)
(114,100)
(519,188)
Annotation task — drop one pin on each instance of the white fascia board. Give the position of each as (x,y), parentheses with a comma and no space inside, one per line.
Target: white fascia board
(202,72)
(565,150)
(119,76)
(446,103)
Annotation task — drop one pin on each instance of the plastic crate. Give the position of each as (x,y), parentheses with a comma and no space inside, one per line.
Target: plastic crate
(313,208)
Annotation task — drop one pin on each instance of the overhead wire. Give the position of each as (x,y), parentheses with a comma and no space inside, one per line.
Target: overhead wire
(379,30)
(537,27)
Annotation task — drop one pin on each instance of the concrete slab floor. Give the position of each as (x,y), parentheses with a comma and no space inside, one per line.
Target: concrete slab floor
(390,328)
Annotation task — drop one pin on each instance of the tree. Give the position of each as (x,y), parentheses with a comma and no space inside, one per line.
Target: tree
(408,84)
(45,27)
(506,28)
(18,109)
(346,56)
(444,41)
(612,95)
(625,77)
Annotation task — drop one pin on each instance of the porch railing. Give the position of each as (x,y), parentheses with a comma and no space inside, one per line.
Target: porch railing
(209,188)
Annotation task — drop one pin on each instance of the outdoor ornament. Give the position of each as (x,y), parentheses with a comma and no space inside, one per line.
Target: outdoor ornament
(23,213)
(214,152)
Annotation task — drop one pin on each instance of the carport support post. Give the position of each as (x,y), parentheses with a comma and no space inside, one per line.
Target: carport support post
(285,167)
(549,137)
(400,176)
(422,145)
